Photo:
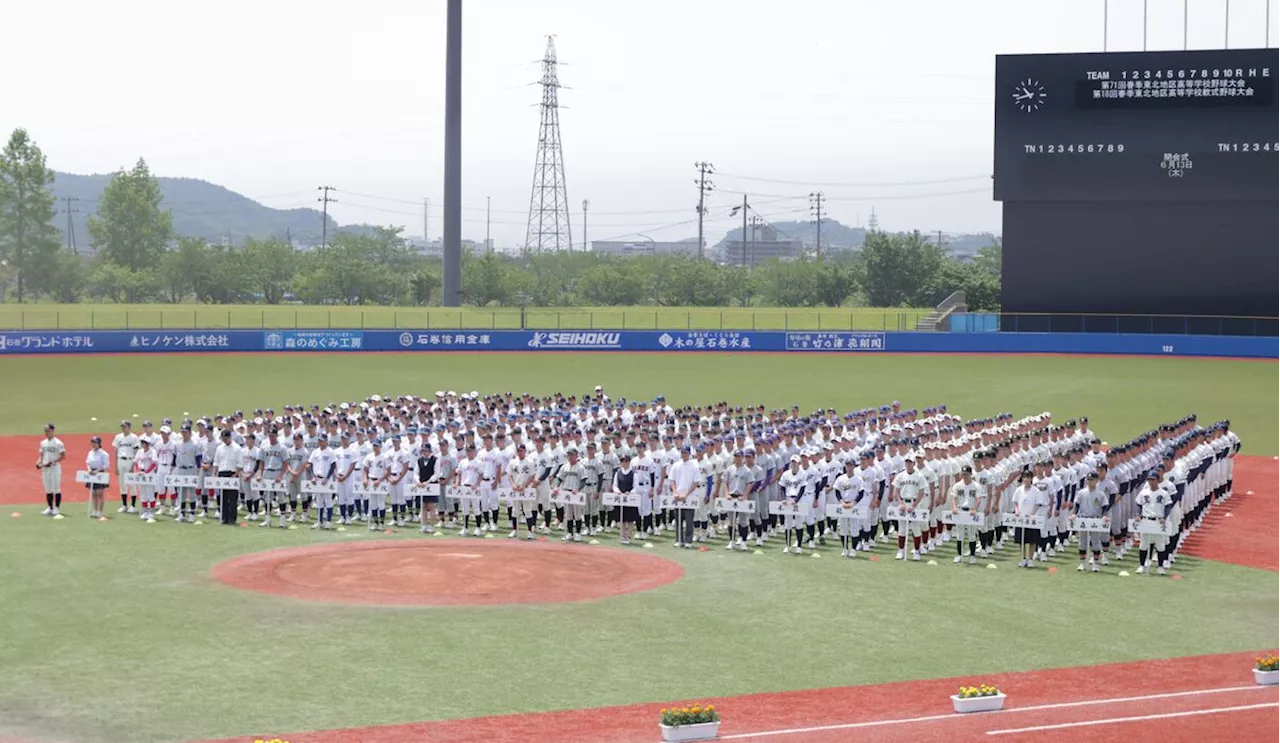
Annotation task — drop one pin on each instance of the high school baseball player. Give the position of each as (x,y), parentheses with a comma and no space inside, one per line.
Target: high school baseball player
(49,463)
(273,455)
(374,473)
(1152,501)
(187,458)
(522,473)
(794,484)
(399,466)
(468,478)
(643,467)
(144,463)
(323,464)
(734,486)
(969,498)
(1091,502)
(593,468)
(162,446)
(295,463)
(125,444)
(569,479)
(847,488)
(910,489)
(250,464)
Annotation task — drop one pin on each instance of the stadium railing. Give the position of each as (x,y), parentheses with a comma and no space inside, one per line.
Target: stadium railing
(356,318)
(905,320)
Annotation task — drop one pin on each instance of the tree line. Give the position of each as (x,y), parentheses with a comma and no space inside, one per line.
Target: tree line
(139,258)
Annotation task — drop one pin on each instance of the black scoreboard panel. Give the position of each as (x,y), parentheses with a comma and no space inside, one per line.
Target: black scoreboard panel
(1137,126)
(1152,258)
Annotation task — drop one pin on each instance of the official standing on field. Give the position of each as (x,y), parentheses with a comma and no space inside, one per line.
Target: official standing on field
(226,462)
(684,476)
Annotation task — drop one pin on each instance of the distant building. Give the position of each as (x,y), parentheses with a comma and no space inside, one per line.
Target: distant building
(762,245)
(645,247)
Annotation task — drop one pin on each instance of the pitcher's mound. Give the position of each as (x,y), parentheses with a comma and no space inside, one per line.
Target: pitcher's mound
(456,572)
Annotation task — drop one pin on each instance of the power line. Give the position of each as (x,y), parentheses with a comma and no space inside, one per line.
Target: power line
(940,181)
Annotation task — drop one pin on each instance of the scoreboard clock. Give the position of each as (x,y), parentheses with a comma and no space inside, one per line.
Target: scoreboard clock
(1137,126)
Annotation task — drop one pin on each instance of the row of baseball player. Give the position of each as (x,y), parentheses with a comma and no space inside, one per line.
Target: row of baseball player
(997,449)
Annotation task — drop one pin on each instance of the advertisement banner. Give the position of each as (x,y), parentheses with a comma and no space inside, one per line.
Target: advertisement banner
(313,340)
(835,341)
(16,343)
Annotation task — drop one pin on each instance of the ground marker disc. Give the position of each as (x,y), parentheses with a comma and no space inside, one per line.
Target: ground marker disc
(15,515)
(93,419)
(757,552)
(814,554)
(932,562)
(486,536)
(291,527)
(104,518)
(594,541)
(648,545)
(59,517)
(991,566)
(1123,573)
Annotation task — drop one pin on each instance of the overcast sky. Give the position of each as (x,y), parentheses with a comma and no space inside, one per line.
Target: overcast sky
(274,98)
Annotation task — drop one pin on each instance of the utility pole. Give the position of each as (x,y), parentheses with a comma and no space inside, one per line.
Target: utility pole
(815,201)
(873,223)
(488,201)
(939,239)
(586,246)
(288,235)
(756,223)
(705,186)
(71,227)
(744,229)
(426,223)
(325,198)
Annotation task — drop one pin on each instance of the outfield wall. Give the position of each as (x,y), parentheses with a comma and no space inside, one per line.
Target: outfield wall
(694,341)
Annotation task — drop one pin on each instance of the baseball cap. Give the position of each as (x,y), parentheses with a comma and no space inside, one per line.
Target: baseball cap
(95,440)
(165,429)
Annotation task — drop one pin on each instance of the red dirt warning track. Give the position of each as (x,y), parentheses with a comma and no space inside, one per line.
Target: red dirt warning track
(1201,699)
(446,573)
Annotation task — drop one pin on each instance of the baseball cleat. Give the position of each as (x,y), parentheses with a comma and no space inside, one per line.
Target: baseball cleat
(899,555)
(956,560)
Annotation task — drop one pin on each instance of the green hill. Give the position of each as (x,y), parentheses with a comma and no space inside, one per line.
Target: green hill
(200,209)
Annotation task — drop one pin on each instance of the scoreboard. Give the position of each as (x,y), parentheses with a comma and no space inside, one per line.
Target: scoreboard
(1140,126)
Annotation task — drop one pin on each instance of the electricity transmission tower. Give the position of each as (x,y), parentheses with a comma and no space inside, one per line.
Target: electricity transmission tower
(71,227)
(549,202)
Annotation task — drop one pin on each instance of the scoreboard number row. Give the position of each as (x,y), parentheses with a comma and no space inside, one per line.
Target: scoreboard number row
(1072,149)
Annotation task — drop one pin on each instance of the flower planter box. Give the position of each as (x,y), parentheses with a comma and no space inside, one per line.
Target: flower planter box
(978,704)
(697,731)
(1266,678)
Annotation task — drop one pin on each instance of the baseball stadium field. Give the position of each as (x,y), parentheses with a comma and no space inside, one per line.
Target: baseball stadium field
(117,630)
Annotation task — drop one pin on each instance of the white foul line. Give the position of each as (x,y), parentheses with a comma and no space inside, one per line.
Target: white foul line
(953,716)
(1140,718)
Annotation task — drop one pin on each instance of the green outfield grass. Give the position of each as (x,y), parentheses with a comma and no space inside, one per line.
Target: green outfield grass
(1122,396)
(187,317)
(115,632)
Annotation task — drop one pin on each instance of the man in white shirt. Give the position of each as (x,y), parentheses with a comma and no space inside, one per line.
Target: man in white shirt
(49,462)
(226,463)
(683,477)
